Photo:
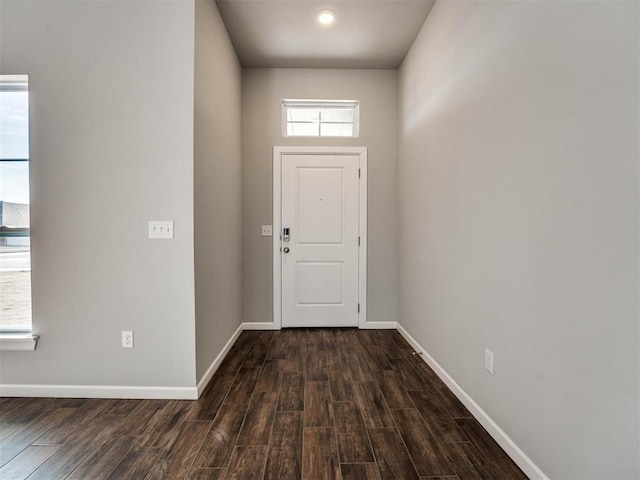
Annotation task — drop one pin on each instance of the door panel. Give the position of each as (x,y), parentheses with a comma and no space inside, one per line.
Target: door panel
(320,203)
(319,206)
(320,283)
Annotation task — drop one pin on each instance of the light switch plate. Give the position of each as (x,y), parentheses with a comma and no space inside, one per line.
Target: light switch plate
(161,229)
(267,230)
(488,360)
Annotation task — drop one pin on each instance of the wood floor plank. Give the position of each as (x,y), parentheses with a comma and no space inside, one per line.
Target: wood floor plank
(378,359)
(24,464)
(74,451)
(24,409)
(124,407)
(279,346)
(340,381)
(360,367)
(256,355)
(500,464)
(291,392)
(247,462)
(447,477)
(244,385)
(217,447)
(316,366)
(351,433)
(175,463)
(450,401)
(393,390)
(271,376)
(136,464)
(84,415)
(372,405)
(295,360)
(420,366)
(454,406)
(75,403)
(165,425)
(232,363)
(139,418)
(421,444)
(206,474)
(368,338)
(22,420)
(13,444)
(10,407)
(392,350)
(8,428)
(99,463)
(330,340)
(317,405)
(259,419)
(437,417)
(399,340)
(408,376)
(466,461)
(320,454)
(313,340)
(360,471)
(391,455)
(284,461)
(213,396)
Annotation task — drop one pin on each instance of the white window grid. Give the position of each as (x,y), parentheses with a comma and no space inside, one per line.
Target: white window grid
(324,107)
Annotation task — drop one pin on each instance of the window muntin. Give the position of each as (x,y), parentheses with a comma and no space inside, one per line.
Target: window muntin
(15,244)
(320,118)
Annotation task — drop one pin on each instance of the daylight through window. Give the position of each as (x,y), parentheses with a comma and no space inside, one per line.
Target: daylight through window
(320,118)
(15,244)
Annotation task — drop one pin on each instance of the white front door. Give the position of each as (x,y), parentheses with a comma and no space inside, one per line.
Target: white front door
(319,244)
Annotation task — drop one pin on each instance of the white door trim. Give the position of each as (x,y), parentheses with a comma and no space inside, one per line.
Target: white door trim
(278,152)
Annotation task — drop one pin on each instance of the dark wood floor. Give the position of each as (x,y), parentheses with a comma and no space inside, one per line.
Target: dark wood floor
(312,404)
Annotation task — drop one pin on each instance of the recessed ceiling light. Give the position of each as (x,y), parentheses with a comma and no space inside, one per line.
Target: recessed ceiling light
(326,17)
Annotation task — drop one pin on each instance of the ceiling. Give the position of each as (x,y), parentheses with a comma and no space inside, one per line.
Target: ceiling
(285,33)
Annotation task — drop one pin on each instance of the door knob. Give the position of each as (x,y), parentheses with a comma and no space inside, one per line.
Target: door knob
(285,249)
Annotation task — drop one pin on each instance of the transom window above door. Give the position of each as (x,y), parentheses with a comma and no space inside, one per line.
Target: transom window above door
(320,118)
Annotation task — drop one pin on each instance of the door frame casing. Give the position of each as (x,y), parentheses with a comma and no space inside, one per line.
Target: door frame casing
(278,153)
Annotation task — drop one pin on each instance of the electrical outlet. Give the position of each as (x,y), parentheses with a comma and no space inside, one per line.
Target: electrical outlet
(267,230)
(161,229)
(127,339)
(488,360)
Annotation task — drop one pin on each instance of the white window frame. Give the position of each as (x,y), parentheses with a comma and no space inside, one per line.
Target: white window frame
(16,338)
(312,103)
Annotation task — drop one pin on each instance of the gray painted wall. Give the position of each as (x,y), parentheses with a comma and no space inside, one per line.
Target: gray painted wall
(111,111)
(518,181)
(263,92)
(217,182)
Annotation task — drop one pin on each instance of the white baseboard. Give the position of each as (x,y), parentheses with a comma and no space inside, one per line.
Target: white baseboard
(204,381)
(99,391)
(379,326)
(259,326)
(508,445)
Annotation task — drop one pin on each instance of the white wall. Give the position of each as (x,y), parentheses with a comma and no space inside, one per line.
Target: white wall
(111,115)
(263,92)
(518,181)
(217,182)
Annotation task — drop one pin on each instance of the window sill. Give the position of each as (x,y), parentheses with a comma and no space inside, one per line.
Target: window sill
(13,342)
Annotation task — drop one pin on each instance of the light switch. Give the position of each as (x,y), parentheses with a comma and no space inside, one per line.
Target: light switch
(161,229)
(267,231)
